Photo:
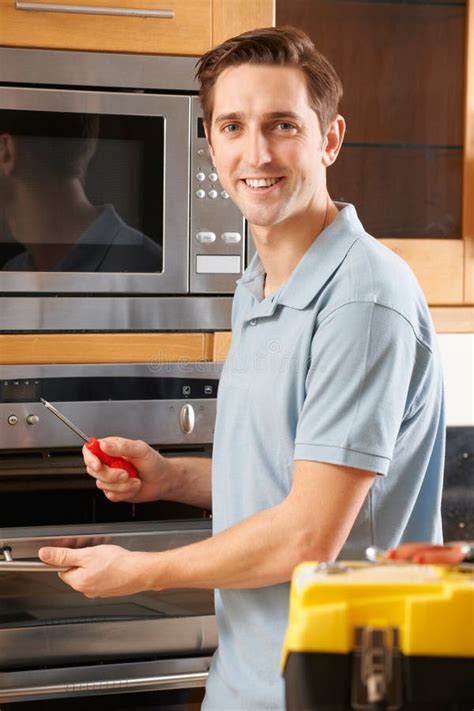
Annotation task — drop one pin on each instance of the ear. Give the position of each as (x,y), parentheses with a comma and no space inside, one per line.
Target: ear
(7,154)
(333,140)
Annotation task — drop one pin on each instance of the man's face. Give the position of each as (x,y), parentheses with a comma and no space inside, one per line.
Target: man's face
(266,143)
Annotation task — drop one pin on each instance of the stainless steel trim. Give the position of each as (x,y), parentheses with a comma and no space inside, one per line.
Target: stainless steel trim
(152,313)
(97,69)
(95,10)
(202,370)
(77,681)
(210,212)
(155,421)
(171,681)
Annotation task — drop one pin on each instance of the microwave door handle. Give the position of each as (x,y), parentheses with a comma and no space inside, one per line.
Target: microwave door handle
(95,10)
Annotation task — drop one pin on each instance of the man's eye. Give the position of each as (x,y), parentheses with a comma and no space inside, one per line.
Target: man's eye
(230,128)
(285,126)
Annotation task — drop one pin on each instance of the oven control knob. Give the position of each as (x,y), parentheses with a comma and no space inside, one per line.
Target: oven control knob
(12,419)
(32,419)
(187,418)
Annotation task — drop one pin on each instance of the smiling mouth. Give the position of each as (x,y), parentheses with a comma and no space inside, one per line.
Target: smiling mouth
(261,183)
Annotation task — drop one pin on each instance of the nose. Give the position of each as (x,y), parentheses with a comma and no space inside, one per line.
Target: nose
(257,149)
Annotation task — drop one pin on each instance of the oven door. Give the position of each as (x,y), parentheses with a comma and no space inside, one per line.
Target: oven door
(94,192)
(55,642)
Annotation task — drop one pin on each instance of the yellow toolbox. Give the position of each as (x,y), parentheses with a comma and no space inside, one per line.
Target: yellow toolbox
(380,638)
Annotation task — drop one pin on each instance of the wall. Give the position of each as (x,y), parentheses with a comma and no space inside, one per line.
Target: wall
(457,354)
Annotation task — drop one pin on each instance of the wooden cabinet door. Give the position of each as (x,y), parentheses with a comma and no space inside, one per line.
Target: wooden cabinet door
(407,160)
(108,25)
(186,27)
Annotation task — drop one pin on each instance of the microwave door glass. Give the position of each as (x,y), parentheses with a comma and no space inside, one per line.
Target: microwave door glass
(81,192)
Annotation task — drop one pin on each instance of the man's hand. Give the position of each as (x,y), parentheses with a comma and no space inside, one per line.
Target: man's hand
(100,571)
(154,471)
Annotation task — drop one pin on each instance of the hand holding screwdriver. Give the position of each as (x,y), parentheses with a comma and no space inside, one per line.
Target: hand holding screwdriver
(93,444)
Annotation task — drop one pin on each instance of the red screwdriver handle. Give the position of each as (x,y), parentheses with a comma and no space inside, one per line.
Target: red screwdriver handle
(114,462)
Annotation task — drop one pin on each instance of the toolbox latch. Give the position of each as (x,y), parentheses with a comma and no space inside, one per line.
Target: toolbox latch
(376,671)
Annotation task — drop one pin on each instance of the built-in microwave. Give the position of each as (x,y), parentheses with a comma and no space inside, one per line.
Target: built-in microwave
(108,193)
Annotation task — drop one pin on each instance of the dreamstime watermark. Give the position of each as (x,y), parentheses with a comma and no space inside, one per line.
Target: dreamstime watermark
(272,359)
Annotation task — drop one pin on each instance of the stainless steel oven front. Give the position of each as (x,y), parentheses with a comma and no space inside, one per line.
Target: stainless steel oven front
(57,646)
(107,191)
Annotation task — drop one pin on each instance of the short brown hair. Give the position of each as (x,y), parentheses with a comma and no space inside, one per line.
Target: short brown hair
(286,46)
(62,144)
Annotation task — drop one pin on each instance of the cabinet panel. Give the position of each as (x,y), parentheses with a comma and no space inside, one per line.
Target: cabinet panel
(401,65)
(407,67)
(438,265)
(106,348)
(401,191)
(232,18)
(189,32)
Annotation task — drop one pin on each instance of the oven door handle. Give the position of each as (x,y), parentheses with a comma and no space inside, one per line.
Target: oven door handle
(105,686)
(26,565)
(30,566)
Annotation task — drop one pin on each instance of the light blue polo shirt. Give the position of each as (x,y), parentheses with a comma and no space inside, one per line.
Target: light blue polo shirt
(339,365)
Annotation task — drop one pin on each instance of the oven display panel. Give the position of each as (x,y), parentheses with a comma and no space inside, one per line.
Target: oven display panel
(101,389)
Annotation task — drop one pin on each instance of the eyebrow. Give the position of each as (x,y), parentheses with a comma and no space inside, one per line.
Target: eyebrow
(237,116)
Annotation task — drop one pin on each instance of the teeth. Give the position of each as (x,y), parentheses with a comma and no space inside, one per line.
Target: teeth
(261,182)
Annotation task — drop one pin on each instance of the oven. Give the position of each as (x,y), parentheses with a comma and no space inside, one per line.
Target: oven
(108,193)
(59,649)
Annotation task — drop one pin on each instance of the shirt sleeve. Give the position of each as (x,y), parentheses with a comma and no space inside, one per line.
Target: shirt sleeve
(361,370)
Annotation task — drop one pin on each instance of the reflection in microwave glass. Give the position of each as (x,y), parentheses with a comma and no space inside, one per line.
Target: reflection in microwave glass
(76,192)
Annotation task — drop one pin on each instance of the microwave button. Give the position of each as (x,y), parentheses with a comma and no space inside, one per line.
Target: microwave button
(200,176)
(213,177)
(213,194)
(224,195)
(12,419)
(231,237)
(200,193)
(201,152)
(206,237)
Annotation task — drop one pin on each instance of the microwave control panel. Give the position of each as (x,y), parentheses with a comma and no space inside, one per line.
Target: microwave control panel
(218,229)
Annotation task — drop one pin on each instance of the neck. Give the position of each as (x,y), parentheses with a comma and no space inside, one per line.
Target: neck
(281,247)
(49,218)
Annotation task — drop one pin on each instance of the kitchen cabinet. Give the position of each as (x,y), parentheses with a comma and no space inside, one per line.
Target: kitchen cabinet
(188,27)
(408,160)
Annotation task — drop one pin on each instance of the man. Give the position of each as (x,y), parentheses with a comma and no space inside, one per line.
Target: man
(44,159)
(329,432)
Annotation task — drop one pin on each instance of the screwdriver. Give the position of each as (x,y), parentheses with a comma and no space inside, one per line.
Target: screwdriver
(93,445)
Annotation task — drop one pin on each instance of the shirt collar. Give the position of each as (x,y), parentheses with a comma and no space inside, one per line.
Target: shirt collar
(315,267)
